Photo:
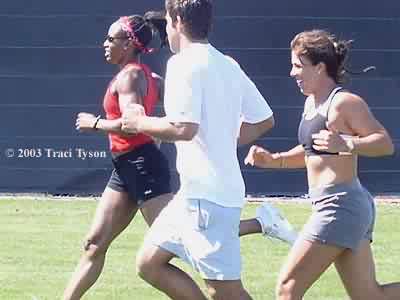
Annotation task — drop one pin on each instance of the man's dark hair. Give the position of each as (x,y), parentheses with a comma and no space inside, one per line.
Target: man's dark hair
(196,16)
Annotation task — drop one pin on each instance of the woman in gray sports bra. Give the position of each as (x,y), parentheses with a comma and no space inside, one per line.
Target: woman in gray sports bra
(337,126)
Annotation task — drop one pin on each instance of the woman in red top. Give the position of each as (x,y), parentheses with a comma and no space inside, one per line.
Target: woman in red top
(140,178)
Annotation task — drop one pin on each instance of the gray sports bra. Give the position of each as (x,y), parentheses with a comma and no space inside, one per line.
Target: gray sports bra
(314,124)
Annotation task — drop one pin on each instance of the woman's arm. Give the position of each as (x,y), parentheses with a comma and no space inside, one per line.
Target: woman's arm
(260,157)
(131,87)
(370,138)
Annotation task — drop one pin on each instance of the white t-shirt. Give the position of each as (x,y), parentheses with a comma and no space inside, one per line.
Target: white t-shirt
(205,87)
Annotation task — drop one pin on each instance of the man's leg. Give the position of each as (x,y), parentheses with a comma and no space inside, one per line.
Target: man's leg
(153,265)
(227,289)
(153,259)
(249,226)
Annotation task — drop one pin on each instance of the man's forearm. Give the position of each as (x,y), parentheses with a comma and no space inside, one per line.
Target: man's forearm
(109,126)
(250,132)
(160,128)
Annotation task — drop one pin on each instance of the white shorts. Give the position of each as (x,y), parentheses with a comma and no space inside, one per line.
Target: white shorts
(201,233)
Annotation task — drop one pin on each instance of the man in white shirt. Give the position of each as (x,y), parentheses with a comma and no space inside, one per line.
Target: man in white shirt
(211,106)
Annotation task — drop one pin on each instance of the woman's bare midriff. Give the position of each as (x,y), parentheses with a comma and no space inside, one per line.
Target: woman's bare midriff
(325,170)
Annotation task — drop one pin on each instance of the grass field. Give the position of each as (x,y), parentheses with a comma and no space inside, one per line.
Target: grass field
(41,242)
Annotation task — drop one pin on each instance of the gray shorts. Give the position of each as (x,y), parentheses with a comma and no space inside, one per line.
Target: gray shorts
(203,234)
(342,215)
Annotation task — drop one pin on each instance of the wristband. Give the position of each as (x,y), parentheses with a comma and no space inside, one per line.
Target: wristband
(96,121)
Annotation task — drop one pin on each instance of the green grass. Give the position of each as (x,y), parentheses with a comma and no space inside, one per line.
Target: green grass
(41,242)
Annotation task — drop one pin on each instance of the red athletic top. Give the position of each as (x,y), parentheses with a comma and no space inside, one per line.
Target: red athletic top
(119,143)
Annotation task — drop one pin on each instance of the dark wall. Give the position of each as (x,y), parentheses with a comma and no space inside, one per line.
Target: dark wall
(52,67)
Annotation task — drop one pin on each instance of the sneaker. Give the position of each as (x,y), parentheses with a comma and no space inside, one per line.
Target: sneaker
(274,224)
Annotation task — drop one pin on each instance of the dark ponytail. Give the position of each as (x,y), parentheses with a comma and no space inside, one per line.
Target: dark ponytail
(157,21)
(342,48)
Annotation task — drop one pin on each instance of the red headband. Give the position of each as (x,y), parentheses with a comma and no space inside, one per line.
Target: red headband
(127,28)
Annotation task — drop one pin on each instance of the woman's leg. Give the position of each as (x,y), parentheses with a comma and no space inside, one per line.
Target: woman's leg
(152,207)
(305,264)
(357,271)
(113,214)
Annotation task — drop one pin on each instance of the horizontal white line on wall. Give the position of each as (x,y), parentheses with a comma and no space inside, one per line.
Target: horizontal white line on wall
(248,170)
(78,76)
(22,105)
(96,105)
(98,137)
(53,16)
(394,50)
